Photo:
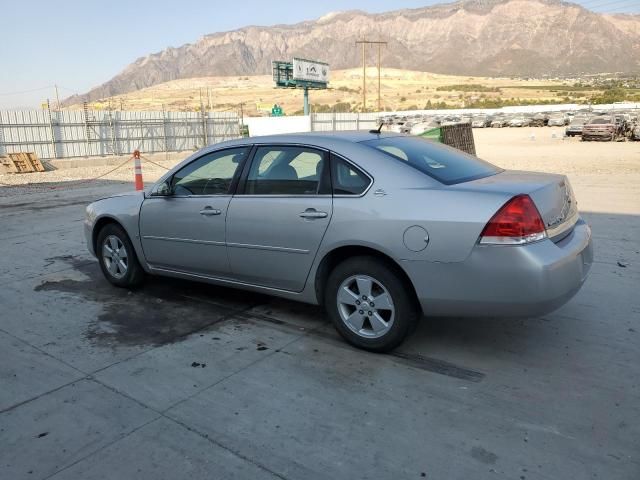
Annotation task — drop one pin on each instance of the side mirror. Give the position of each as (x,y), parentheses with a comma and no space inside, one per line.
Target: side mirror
(162,190)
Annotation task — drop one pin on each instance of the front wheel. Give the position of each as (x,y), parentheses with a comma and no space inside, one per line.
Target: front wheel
(370,304)
(117,257)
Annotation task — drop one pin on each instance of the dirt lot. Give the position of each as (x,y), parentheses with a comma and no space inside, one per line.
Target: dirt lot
(182,380)
(604,175)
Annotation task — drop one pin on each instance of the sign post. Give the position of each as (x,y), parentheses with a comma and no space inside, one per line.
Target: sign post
(306,100)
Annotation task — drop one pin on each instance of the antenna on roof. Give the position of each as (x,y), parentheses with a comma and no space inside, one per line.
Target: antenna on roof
(377,130)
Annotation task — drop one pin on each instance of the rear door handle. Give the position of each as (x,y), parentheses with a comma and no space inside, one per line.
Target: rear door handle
(209,211)
(313,213)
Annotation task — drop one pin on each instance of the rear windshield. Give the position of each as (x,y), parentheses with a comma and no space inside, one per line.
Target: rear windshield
(601,120)
(445,164)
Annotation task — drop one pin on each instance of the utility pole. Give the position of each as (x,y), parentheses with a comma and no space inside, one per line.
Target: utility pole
(379,102)
(52,131)
(364,43)
(57,97)
(364,77)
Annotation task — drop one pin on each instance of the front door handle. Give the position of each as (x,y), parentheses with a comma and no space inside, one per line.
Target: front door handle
(313,213)
(208,211)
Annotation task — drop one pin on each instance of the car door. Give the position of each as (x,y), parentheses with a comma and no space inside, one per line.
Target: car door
(279,215)
(185,229)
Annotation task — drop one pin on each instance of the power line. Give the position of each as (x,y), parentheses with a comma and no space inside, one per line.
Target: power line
(6,94)
(589,3)
(615,3)
(62,87)
(610,10)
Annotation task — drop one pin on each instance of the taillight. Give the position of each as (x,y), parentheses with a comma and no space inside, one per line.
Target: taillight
(516,223)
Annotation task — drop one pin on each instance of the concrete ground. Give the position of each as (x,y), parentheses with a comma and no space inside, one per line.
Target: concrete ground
(183,380)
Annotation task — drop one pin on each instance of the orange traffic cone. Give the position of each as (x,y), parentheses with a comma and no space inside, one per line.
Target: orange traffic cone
(137,168)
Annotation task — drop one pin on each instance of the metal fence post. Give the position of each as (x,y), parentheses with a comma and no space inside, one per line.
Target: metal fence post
(204,128)
(213,127)
(52,131)
(164,130)
(112,128)
(3,148)
(358,121)
(86,127)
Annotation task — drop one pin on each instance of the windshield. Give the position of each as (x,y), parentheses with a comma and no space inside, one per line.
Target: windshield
(600,120)
(445,164)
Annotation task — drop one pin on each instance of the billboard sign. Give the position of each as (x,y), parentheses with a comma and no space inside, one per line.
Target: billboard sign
(310,71)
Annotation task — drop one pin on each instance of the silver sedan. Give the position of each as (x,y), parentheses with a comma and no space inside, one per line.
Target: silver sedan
(380,229)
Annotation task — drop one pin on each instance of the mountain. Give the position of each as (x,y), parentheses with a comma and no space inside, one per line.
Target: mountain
(469,37)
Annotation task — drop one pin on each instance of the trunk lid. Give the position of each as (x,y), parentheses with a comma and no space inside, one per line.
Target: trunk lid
(551,193)
(599,128)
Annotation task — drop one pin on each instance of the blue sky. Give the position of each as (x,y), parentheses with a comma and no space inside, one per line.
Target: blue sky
(81,44)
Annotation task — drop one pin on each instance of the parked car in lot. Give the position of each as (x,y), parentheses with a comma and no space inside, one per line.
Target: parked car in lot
(519,121)
(635,133)
(378,228)
(481,121)
(622,123)
(557,120)
(421,127)
(539,119)
(499,122)
(599,128)
(450,120)
(576,126)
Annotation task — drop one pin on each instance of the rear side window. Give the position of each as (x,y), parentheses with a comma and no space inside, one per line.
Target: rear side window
(285,170)
(347,179)
(445,164)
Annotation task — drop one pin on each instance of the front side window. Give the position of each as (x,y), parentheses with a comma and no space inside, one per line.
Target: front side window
(445,164)
(210,174)
(285,170)
(347,179)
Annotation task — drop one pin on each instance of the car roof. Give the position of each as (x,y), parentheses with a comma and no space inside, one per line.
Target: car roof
(327,140)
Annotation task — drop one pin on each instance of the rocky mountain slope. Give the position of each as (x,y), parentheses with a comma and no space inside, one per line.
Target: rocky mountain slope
(469,37)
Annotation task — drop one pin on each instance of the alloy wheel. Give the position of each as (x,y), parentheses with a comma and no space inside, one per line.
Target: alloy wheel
(365,306)
(115,257)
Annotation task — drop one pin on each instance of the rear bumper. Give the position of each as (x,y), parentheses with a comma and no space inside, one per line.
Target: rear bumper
(504,281)
(597,135)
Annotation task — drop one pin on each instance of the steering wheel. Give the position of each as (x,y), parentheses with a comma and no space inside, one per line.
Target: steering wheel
(219,185)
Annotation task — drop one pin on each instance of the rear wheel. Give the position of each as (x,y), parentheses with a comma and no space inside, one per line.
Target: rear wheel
(370,304)
(117,257)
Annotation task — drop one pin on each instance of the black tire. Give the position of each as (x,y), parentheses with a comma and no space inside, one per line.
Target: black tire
(405,312)
(134,274)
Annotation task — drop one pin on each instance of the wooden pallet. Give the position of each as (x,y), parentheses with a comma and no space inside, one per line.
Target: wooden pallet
(22,162)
